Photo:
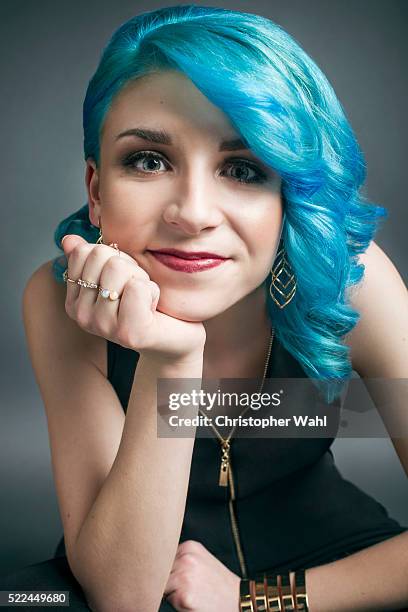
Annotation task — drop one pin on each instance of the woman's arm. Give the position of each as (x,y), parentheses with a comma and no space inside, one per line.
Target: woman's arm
(379,344)
(130,536)
(121,488)
(372,580)
(376,578)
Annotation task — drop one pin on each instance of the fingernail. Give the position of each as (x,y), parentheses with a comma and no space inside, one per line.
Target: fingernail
(64,238)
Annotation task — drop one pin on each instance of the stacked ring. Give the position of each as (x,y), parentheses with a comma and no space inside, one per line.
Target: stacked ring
(103,292)
(88,284)
(66,277)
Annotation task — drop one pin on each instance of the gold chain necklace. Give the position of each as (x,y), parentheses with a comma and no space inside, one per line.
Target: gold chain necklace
(225,442)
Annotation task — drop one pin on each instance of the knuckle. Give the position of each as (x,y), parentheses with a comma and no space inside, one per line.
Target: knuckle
(93,255)
(125,337)
(69,309)
(138,283)
(79,250)
(102,327)
(97,251)
(189,560)
(187,578)
(117,265)
(82,316)
(130,338)
(187,600)
(76,251)
(190,545)
(70,304)
(113,264)
(103,248)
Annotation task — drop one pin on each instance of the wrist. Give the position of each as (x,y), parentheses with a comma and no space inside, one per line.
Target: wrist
(183,365)
(274,592)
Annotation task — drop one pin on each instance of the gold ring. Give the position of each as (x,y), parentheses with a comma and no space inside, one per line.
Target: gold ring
(66,277)
(88,284)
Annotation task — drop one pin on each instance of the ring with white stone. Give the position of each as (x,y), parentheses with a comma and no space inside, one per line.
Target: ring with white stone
(107,294)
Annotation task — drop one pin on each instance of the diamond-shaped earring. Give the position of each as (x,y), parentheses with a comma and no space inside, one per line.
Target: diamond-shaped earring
(283,281)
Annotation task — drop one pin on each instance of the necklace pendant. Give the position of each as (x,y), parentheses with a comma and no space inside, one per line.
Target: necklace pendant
(223,481)
(224,469)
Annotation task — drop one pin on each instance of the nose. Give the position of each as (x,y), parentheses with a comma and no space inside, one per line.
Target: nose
(195,207)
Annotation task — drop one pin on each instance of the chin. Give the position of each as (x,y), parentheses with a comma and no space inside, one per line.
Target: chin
(193,313)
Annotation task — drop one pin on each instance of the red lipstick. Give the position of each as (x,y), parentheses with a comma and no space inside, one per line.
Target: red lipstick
(188,261)
(189,254)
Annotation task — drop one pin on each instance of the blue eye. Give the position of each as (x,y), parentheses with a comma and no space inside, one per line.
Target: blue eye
(130,161)
(247,172)
(257,177)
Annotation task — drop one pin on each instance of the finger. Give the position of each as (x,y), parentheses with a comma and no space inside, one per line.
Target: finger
(169,590)
(92,271)
(78,270)
(113,277)
(156,296)
(69,241)
(173,583)
(76,262)
(135,314)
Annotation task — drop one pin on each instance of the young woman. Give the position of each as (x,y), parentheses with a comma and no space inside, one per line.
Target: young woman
(224,237)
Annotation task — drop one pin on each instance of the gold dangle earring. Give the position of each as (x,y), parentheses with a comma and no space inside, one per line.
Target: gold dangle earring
(283,280)
(100,238)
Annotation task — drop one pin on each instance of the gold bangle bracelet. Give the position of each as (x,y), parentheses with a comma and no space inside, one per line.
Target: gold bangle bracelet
(302,601)
(272,592)
(288,599)
(261,604)
(245,599)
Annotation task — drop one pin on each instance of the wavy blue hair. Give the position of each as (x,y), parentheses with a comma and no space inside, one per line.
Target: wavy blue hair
(285,109)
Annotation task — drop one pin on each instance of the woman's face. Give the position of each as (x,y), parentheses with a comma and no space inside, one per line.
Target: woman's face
(188,195)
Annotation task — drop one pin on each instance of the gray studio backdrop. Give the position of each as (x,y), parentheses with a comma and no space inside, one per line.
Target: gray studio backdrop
(49,51)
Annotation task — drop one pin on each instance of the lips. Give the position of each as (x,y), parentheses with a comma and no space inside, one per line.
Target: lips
(189,254)
(190,262)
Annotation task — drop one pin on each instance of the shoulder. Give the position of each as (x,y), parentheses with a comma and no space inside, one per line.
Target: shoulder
(378,342)
(46,321)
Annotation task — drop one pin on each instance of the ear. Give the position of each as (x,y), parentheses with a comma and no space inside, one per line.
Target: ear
(92,187)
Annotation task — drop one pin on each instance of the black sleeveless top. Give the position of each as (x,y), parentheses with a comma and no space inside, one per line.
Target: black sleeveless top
(292,507)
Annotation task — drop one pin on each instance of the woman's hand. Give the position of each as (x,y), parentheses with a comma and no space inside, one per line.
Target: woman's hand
(199,582)
(132,321)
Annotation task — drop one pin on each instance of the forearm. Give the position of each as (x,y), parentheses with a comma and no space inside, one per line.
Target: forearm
(372,580)
(127,544)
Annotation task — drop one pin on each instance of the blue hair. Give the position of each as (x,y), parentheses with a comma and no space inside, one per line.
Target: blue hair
(285,109)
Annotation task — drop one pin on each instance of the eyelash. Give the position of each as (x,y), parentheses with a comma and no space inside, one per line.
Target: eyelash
(129,162)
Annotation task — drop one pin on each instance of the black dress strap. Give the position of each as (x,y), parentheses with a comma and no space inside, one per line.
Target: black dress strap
(122,364)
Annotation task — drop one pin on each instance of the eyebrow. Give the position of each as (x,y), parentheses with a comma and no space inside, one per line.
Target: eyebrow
(162,137)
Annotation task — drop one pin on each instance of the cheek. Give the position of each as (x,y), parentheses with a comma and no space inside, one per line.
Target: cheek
(124,198)
(130,209)
(260,231)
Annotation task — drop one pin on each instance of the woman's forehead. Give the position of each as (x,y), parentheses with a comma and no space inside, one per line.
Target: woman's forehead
(169,100)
